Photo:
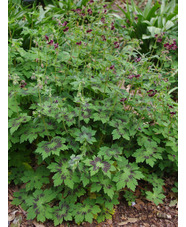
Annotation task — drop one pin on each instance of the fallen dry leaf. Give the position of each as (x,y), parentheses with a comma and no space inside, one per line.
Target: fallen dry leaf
(10,198)
(123,217)
(173,203)
(163,215)
(38,224)
(17,221)
(145,225)
(11,216)
(137,192)
(109,221)
(172,195)
(131,220)
(139,204)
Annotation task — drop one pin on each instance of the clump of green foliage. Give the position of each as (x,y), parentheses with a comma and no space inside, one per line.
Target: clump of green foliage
(86,120)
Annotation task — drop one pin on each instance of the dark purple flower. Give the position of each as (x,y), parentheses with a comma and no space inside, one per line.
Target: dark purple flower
(82,14)
(135,18)
(23,84)
(91,1)
(166,45)
(89,11)
(169,106)
(89,30)
(103,20)
(103,38)
(138,59)
(159,40)
(66,29)
(78,10)
(174,41)
(51,42)
(105,11)
(137,76)
(55,45)
(151,92)
(105,6)
(112,67)
(64,23)
(128,21)
(174,47)
(123,26)
(46,37)
(78,43)
(73,10)
(156,36)
(112,27)
(131,76)
(171,46)
(123,99)
(116,44)
(56,101)
(172,113)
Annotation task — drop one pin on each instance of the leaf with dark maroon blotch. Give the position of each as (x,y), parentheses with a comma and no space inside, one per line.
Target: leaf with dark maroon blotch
(47,148)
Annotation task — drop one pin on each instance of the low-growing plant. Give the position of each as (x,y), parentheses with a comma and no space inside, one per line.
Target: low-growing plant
(86,121)
(129,197)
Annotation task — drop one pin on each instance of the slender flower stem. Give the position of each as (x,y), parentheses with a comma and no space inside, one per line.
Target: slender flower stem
(41,104)
(43,118)
(79,116)
(31,36)
(64,126)
(102,136)
(15,96)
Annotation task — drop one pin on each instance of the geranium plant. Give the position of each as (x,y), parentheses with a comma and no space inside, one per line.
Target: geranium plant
(86,119)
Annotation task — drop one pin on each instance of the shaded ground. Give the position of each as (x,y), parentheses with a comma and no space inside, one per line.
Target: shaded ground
(143,214)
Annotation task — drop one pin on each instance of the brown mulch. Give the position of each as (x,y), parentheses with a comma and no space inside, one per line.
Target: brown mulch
(143,214)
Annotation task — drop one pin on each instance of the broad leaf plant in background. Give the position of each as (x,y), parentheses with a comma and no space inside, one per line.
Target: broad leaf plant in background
(88,118)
